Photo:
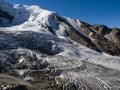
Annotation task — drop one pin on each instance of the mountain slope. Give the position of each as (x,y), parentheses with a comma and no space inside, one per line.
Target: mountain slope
(97,37)
(54,52)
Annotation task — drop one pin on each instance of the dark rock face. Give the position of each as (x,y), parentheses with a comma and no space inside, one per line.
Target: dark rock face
(101,29)
(77,36)
(97,37)
(1,67)
(19,87)
(114,35)
(107,39)
(4,14)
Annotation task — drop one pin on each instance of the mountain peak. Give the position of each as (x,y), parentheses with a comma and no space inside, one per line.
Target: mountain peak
(26,18)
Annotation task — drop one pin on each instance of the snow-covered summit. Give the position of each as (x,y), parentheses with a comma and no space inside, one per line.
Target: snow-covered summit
(24,14)
(26,17)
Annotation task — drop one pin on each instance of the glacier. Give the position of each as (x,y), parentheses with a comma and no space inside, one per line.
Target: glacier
(36,41)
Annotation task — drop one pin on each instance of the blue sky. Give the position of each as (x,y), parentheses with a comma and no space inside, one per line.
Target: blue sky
(92,11)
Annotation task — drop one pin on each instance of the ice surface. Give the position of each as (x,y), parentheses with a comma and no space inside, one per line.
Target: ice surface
(34,18)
